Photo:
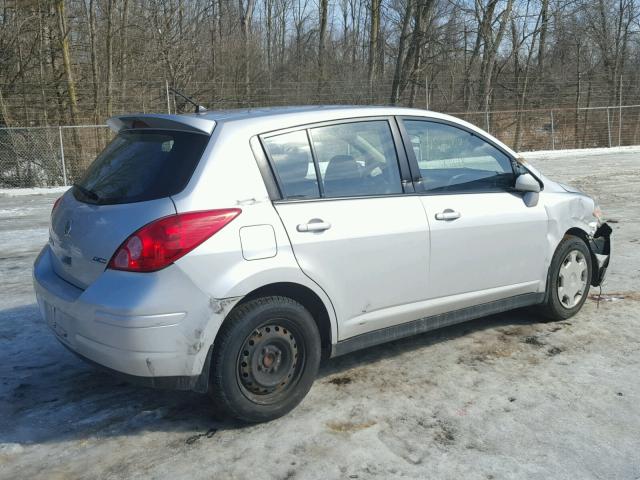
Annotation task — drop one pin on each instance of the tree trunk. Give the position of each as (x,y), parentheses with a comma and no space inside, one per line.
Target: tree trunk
(41,59)
(91,21)
(123,50)
(324,4)
(246,14)
(544,9)
(109,46)
(71,86)
(62,117)
(66,61)
(402,41)
(269,9)
(373,41)
(491,46)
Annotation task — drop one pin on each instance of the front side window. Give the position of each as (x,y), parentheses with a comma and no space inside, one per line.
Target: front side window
(357,158)
(454,160)
(291,157)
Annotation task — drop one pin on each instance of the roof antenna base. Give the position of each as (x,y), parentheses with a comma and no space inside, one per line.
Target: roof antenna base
(198,108)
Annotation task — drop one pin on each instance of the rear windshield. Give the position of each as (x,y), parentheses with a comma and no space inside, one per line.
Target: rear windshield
(140,165)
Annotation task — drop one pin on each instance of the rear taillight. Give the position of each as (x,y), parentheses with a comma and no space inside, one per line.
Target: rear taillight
(55,205)
(162,242)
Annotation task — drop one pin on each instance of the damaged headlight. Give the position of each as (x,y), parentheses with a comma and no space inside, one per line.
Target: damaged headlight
(597,213)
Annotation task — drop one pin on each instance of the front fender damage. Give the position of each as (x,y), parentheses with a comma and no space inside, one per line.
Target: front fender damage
(567,212)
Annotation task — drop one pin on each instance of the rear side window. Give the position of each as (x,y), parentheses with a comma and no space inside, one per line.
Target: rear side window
(357,158)
(351,159)
(292,160)
(141,165)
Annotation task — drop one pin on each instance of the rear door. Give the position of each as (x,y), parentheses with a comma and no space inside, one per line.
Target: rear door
(486,242)
(353,228)
(126,187)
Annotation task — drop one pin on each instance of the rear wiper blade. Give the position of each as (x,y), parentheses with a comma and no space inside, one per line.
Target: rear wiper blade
(87,193)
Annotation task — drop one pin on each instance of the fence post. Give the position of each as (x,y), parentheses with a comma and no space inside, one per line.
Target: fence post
(64,168)
(608,127)
(553,134)
(166,85)
(620,113)
(486,113)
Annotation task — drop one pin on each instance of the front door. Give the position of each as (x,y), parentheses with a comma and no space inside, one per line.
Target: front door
(486,242)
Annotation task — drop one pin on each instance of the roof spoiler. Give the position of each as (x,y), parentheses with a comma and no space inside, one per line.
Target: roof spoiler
(186,123)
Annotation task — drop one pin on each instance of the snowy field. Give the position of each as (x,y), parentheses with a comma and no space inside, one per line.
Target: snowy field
(505,396)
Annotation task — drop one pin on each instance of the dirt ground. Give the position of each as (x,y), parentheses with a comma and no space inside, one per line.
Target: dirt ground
(505,396)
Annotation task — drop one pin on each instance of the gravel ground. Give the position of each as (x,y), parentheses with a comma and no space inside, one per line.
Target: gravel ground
(506,396)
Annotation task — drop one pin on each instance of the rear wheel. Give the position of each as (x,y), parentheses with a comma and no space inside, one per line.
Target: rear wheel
(265,359)
(569,279)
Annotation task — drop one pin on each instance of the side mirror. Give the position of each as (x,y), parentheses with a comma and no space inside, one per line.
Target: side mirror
(526,183)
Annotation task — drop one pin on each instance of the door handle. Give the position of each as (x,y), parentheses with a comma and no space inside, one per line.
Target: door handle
(447,214)
(314,225)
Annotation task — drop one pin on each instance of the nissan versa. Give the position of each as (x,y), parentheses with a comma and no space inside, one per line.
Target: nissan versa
(227,252)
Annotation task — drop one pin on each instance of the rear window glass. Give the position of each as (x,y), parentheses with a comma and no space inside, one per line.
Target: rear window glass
(140,165)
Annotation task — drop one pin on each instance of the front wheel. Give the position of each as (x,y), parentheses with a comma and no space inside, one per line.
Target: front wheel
(265,359)
(569,279)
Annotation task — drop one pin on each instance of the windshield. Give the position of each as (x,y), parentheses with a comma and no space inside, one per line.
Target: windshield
(141,165)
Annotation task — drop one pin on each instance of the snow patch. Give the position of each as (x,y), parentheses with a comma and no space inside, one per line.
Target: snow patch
(11,448)
(580,152)
(19,192)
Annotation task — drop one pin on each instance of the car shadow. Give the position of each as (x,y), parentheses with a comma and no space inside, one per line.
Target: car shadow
(520,316)
(49,395)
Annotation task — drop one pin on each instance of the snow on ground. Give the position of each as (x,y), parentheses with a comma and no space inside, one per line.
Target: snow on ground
(20,192)
(581,152)
(505,396)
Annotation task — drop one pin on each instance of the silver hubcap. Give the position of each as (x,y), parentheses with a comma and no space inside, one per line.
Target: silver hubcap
(572,279)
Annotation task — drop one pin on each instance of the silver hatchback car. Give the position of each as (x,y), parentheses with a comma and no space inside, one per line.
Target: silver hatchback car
(228,252)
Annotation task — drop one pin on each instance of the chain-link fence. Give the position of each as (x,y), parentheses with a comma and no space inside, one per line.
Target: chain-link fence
(557,129)
(48,156)
(52,156)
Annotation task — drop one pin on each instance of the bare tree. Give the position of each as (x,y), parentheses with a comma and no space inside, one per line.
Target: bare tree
(77,61)
(374,31)
(324,7)
(63,34)
(246,15)
(401,55)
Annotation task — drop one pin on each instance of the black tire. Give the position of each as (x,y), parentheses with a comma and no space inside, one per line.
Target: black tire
(555,306)
(265,359)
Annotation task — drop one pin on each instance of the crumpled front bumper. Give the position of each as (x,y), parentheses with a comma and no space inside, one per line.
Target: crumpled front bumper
(600,245)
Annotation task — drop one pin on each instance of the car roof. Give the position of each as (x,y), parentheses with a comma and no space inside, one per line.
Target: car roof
(260,120)
(304,112)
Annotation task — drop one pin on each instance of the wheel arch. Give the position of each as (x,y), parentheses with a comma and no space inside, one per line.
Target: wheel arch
(584,236)
(578,232)
(308,299)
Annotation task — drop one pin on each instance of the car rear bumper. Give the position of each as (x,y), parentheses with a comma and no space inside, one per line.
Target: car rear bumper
(154,328)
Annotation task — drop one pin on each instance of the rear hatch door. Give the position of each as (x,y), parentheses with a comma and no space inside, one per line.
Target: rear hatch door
(126,187)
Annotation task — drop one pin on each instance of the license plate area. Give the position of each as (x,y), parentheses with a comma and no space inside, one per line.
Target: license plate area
(55,320)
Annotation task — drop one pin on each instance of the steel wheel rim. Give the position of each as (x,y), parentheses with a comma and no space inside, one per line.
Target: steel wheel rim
(270,362)
(572,279)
